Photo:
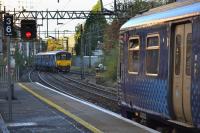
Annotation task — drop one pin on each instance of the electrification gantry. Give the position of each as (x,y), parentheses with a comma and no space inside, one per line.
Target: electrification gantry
(19,15)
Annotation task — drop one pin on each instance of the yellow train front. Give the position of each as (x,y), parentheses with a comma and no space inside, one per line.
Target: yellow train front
(63,61)
(53,60)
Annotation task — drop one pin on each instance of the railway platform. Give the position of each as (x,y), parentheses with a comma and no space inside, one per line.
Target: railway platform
(42,109)
(30,115)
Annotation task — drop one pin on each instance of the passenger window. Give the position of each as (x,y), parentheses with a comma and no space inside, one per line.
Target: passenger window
(188,54)
(68,56)
(133,55)
(58,57)
(152,55)
(152,41)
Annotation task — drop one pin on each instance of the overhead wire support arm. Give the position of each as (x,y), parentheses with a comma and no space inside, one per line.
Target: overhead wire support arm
(58,14)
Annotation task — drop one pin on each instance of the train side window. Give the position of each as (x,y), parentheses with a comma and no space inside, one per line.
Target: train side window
(68,56)
(133,55)
(58,57)
(152,54)
(49,58)
(46,58)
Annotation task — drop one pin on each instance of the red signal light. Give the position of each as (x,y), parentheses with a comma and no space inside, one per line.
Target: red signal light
(28,29)
(28,34)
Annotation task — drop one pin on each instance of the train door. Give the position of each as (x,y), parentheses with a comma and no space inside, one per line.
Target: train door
(182,72)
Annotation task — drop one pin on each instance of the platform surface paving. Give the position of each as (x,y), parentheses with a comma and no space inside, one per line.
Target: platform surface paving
(30,115)
(96,117)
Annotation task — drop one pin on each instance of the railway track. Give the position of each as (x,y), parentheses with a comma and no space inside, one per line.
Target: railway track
(79,73)
(76,77)
(104,92)
(60,82)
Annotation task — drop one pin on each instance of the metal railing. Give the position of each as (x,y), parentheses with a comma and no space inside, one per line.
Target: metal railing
(4,74)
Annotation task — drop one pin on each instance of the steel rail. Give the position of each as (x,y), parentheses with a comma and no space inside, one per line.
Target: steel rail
(50,85)
(94,92)
(76,93)
(93,86)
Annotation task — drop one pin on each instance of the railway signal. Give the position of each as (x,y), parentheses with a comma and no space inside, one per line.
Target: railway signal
(28,29)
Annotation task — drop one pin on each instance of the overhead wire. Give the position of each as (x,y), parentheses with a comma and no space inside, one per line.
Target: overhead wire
(65,4)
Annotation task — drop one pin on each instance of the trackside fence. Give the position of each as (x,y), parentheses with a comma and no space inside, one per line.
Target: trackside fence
(4,74)
(4,79)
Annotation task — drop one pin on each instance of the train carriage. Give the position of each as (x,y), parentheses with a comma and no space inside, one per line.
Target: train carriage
(160,64)
(53,60)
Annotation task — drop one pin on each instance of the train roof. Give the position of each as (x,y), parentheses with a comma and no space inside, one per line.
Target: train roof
(51,52)
(173,11)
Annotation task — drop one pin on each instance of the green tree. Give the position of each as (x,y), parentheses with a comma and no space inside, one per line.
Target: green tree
(111,35)
(18,57)
(129,9)
(111,50)
(94,27)
(78,40)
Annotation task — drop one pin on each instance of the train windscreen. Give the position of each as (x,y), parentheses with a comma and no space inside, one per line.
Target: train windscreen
(63,56)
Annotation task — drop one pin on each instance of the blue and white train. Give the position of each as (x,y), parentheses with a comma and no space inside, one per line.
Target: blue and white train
(53,60)
(159,69)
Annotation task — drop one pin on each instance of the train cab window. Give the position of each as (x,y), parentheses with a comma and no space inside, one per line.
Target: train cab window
(58,57)
(152,54)
(63,56)
(133,55)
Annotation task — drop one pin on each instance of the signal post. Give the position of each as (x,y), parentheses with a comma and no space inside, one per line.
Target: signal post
(8,31)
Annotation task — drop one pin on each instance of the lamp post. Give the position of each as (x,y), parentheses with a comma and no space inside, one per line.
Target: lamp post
(40,45)
(67,43)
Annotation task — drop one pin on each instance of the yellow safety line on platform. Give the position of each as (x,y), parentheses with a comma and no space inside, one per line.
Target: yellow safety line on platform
(59,108)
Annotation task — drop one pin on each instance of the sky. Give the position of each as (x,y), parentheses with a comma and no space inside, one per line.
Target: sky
(63,5)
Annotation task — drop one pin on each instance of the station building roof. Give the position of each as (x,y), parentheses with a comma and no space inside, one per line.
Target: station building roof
(173,11)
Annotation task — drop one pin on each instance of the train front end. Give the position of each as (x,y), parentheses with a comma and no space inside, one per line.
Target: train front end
(63,61)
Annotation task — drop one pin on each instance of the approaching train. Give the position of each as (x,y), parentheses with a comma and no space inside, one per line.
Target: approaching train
(53,60)
(159,69)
